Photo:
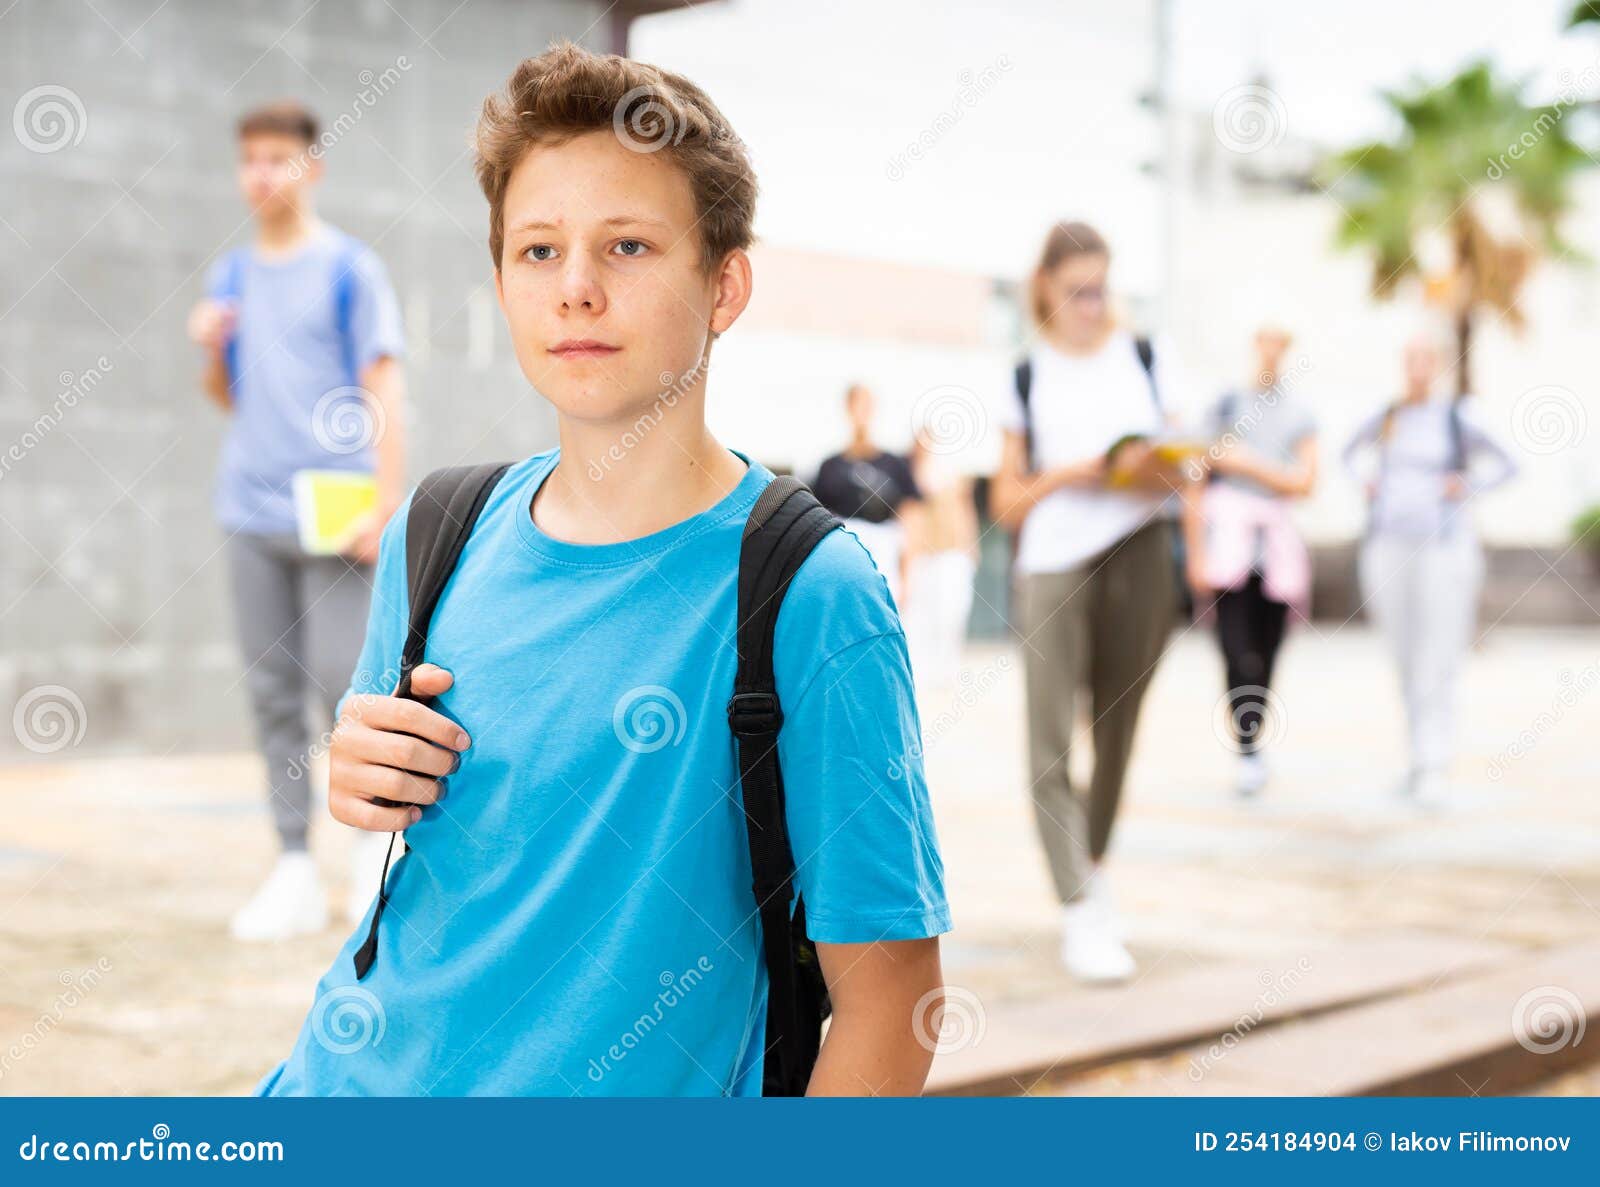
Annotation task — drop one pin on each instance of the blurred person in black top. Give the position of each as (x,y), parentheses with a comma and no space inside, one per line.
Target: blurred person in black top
(872,490)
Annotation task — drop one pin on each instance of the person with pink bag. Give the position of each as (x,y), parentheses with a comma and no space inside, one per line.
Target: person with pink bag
(1251,557)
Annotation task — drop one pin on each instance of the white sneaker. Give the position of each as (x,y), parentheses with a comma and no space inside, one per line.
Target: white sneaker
(1252,776)
(367,851)
(1097,892)
(289,903)
(1090,949)
(1427,789)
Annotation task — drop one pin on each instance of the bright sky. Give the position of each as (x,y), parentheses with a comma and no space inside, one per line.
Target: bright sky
(1045,123)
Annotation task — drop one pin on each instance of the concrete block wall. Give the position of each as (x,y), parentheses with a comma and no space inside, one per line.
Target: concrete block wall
(116,165)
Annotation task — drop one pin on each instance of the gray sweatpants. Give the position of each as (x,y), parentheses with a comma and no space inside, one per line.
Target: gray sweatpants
(300,620)
(1099,628)
(1423,594)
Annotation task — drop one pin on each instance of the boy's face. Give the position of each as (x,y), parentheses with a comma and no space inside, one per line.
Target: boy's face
(1271,345)
(275,172)
(601,278)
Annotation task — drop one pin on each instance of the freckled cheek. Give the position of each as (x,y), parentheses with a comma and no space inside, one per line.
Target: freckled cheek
(672,326)
(524,307)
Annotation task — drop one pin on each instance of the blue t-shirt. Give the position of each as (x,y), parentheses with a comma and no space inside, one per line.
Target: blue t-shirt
(296,369)
(576,916)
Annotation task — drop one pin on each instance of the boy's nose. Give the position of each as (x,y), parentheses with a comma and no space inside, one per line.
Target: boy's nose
(580,288)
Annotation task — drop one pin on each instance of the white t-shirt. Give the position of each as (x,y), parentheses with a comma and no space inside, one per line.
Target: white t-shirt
(1081,406)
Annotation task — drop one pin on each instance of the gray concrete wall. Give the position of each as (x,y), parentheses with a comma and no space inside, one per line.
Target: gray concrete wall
(116,170)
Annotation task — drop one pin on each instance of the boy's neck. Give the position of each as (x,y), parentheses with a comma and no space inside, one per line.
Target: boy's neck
(861,446)
(283,232)
(602,492)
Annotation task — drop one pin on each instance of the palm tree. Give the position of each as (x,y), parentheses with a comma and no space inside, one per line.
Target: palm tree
(1464,145)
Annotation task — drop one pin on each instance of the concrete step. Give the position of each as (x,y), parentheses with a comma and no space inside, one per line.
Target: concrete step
(1013,1047)
(1490,1033)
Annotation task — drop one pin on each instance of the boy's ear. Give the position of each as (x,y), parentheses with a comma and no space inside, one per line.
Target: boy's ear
(499,290)
(734,281)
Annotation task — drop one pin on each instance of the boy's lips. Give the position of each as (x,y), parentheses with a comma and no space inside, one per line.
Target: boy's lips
(583,348)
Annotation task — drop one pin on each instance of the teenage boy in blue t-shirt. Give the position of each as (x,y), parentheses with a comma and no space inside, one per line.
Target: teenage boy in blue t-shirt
(573,914)
(302,345)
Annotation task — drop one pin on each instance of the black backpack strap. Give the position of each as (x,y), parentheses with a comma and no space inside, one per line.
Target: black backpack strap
(1023,376)
(783,527)
(443,511)
(1147,360)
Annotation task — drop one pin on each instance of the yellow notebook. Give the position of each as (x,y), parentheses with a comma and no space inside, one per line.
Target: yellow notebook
(329,506)
(1171,449)
(1179,449)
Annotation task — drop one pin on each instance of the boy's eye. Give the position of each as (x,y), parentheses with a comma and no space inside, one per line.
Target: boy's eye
(631,247)
(540,251)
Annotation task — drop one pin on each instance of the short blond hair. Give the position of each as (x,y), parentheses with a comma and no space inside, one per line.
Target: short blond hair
(568,91)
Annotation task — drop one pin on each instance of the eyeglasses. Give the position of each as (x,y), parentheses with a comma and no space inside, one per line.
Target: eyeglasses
(1088,293)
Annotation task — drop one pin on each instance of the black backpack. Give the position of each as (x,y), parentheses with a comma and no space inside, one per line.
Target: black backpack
(783,527)
(1023,378)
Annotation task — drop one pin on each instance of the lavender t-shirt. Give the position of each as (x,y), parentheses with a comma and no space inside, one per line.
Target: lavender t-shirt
(296,366)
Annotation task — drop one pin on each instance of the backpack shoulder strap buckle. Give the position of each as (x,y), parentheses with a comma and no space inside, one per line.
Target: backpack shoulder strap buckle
(754,714)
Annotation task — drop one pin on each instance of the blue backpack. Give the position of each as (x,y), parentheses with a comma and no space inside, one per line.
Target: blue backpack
(344,290)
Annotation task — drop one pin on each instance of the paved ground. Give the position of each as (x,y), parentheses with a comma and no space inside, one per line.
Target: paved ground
(120,874)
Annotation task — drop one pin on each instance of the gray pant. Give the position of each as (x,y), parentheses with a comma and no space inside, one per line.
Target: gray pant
(1100,627)
(300,620)
(1423,594)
